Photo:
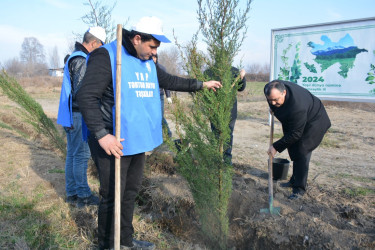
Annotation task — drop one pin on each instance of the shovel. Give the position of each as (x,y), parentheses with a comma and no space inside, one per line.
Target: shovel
(271,209)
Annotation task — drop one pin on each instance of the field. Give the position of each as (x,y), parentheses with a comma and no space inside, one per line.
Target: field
(338,211)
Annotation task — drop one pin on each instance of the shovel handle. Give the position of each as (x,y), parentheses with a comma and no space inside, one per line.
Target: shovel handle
(271,137)
(271,131)
(270,177)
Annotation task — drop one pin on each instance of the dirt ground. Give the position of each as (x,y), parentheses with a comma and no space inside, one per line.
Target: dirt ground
(337,212)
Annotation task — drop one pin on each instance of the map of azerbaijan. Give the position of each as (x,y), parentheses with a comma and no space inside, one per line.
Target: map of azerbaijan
(343,52)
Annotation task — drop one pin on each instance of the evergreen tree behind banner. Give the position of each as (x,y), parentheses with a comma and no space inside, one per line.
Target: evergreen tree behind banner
(200,154)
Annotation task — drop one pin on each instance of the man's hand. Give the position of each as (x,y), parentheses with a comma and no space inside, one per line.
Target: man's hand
(212,85)
(169,100)
(271,151)
(242,73)
(111,146)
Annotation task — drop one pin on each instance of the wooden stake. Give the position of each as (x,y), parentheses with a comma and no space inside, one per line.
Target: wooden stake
(118,134)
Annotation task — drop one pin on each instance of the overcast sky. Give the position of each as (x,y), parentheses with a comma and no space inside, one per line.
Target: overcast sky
(53,22)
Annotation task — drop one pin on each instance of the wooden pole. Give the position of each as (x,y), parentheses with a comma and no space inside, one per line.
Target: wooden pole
(118,134)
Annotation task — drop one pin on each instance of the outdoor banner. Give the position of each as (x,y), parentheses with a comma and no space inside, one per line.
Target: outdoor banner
(334,61)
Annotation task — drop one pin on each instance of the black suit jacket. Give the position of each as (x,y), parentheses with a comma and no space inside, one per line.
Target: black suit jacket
(304,121)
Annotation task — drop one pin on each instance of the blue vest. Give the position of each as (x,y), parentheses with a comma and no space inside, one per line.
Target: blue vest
(141,125)
(65,114)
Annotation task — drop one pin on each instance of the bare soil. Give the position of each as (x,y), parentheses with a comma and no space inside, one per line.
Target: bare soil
(337,212)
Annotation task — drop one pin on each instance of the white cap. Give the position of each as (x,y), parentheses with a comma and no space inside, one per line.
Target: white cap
(153,26)
(98,32)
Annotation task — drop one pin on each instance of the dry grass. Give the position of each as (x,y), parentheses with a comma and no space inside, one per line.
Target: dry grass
(40,82)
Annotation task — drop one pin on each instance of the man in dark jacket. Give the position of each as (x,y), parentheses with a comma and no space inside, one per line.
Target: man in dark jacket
(77,189)
(304,121)
(141,127)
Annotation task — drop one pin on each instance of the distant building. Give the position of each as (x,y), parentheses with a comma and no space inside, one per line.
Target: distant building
(56,72)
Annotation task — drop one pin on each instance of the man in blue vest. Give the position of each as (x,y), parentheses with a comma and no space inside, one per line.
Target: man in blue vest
(141,120)
(77,189)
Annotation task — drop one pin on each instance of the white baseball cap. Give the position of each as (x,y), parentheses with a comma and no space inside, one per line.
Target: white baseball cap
(153,26)
(98,32)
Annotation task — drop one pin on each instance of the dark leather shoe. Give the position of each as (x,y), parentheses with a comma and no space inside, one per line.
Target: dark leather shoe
(71,199)
(139,245)
(92,200)
(294,197)
(286,184)
(297,194)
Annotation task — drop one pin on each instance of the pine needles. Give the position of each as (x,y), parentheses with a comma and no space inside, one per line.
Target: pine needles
(31,111)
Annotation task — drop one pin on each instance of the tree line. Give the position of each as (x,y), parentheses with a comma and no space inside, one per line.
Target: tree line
(33,62)
(32,59)
(171,59)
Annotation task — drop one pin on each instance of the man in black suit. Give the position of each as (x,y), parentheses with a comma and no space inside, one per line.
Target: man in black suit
(304,121)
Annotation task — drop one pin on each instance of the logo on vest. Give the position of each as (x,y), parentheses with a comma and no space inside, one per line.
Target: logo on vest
(141,84)
(148,66)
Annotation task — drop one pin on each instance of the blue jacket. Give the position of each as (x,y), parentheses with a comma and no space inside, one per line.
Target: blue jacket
(65,112)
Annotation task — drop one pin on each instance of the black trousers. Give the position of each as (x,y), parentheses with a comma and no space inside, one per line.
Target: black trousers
(131,180)
(227,155)
(228,151)
(300,171)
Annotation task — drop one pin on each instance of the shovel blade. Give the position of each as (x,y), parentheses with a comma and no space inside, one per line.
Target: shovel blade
(271,210)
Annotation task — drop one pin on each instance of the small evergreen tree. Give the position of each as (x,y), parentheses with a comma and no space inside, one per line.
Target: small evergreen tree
(31,111)
(200,154)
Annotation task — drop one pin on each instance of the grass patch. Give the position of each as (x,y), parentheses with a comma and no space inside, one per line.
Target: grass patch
(246,115)
(333,130)
(329,142)
(242,115)
(56,171)
(6,126)
(252,92)
(23,224)
(10,123)
(358,191)
(356,178)
(9,127)
(28,222)
(276,136)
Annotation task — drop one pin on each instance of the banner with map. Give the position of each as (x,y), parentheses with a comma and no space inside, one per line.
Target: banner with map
(334,61)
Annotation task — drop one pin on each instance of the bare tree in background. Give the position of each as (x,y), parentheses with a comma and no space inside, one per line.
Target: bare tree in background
(266,68)
(32,51)
(33,57)
(71,40)
(171,60)
(253,68)
(13,66)
(54,60)
(99,15)
(258,72)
